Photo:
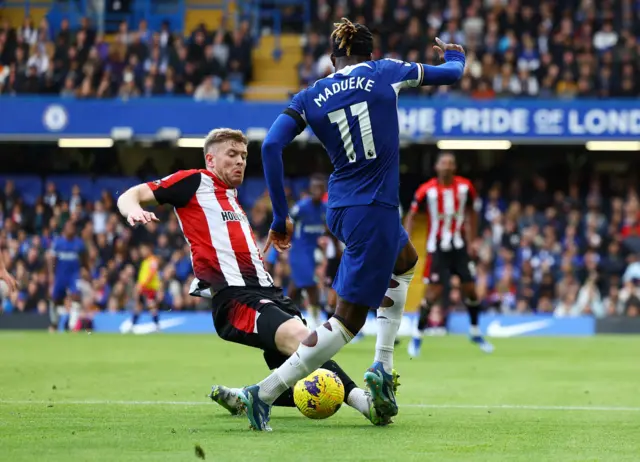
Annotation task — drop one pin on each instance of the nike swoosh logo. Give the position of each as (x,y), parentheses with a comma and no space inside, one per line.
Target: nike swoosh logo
(495,329)
(150,327)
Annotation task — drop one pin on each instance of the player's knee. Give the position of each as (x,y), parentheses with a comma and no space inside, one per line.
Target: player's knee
(289,335)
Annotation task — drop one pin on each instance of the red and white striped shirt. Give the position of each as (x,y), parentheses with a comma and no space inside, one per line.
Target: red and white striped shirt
(446,206)
(223,248)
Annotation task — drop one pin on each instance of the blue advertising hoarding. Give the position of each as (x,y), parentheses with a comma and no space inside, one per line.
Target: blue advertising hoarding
(419,119)
(492,325)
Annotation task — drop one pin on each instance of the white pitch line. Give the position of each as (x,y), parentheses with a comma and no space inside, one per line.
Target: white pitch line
(525,407)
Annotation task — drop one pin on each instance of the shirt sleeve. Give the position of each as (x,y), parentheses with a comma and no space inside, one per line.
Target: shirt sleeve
(418,198)
(405,75)
(176,189)
(401,74)
(296,111)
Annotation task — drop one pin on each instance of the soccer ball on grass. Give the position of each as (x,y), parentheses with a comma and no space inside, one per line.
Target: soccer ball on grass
(319,395)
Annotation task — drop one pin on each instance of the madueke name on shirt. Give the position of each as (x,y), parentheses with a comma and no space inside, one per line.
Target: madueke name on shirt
(352,83)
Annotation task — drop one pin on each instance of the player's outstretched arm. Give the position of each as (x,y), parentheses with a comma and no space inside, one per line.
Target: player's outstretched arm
(282,132)
(452,69)
(130,204)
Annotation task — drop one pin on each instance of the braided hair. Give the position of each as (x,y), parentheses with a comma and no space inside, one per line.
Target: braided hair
(351,39)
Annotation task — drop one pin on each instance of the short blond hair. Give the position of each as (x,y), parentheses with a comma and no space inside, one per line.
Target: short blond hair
(220,135)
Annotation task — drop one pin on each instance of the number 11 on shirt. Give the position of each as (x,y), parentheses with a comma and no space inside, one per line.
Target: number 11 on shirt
(361,111)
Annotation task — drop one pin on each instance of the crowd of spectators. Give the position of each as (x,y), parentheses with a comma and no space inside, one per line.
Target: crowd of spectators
(515,48)
(567,252)
(113,251)
(208,65)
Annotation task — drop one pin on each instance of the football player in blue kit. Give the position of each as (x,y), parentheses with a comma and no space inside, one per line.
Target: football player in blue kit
(67,257)
(353,112)
(309,224)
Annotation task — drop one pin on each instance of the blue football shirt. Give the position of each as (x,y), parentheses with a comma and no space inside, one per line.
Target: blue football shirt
(353,112)
(67,253)
(309,220)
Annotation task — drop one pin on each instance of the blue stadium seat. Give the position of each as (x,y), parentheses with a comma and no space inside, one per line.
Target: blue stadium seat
(64,184)
(116,185)
(29,186)
(251,190)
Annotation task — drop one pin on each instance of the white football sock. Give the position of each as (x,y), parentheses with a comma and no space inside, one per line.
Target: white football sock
(390,317)
(474,331)
(358,399)
(321,345)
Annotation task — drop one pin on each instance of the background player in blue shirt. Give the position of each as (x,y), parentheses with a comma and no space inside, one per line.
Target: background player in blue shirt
(68,256)
(309,224)
(353,112)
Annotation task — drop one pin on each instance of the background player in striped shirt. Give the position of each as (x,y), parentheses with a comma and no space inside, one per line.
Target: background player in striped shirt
(247,307)
(452,222)
(353,112)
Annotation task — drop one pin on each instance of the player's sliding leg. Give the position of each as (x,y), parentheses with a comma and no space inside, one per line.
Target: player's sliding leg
(473,304)
(354,397)
(279,333)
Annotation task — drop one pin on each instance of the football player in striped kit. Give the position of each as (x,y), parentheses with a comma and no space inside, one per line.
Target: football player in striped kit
(452,222)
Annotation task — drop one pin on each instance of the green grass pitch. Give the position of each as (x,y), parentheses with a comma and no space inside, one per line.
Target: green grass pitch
(82,397)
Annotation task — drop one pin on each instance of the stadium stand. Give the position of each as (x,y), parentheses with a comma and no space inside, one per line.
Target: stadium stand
(515,48)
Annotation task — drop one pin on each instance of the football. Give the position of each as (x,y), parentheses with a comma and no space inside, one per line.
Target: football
(319,395)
